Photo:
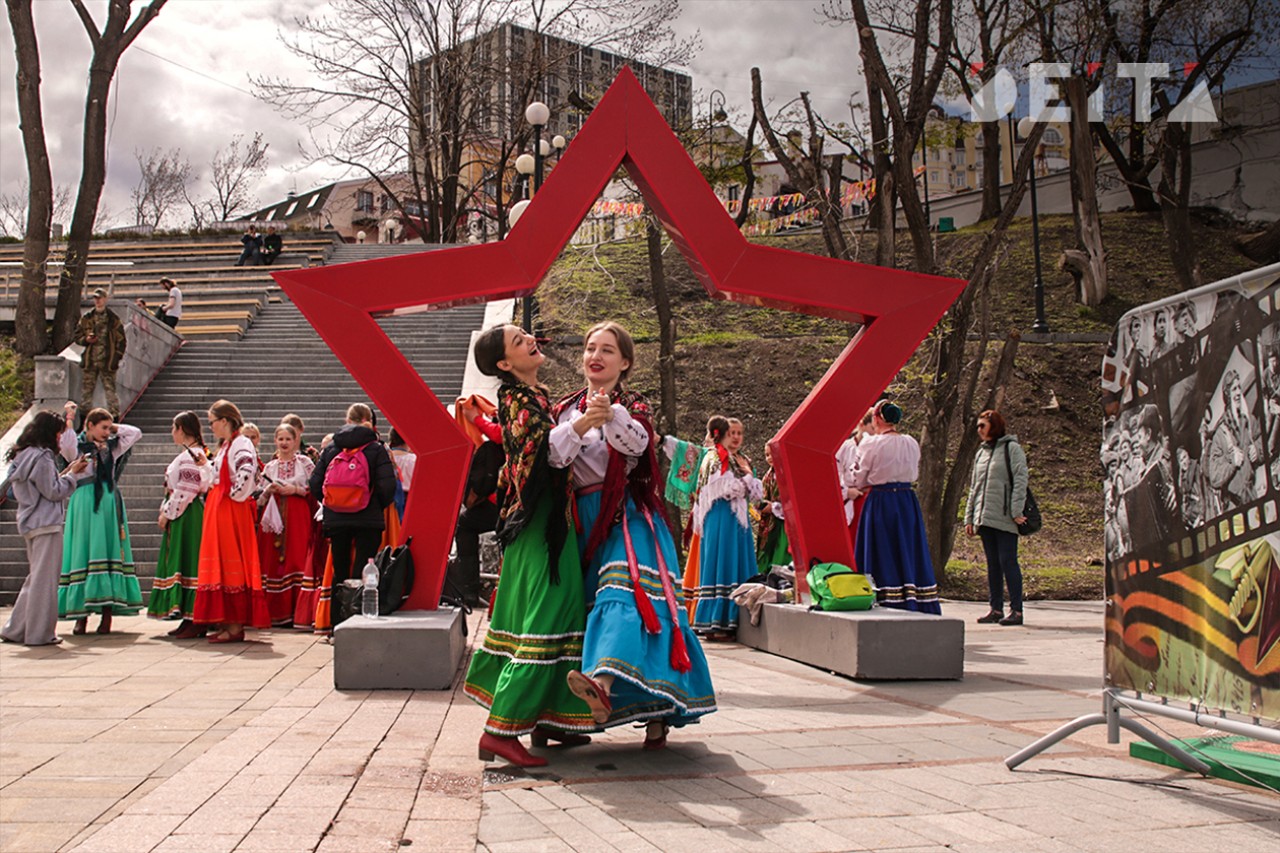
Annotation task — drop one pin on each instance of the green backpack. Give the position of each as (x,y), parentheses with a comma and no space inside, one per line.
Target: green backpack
(838,587)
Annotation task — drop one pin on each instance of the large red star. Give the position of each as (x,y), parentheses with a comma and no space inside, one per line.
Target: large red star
(897,309)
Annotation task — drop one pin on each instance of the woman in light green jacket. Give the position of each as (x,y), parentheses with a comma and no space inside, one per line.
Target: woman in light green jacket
(995,509)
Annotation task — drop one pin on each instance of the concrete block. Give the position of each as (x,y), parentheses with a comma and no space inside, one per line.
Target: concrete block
(408,650)
(880,643)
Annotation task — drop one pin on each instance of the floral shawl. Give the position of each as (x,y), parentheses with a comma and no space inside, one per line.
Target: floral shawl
(527,476)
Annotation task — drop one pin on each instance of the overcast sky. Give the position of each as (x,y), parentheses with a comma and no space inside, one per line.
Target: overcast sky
(185,82)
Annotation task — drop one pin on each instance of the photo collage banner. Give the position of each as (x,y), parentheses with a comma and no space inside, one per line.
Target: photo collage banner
(1191,490)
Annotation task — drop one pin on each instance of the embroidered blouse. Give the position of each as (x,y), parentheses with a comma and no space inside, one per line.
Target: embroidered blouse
(242,460)
(292,472)
(184,481)
(589,453)
(732,485)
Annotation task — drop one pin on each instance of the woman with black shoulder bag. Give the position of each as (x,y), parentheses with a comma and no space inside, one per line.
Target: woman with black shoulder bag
(997,505)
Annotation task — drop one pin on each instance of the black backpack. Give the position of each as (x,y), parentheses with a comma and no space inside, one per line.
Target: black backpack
(395,577)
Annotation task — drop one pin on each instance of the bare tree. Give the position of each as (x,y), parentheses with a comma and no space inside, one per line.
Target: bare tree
(109,43)
(14,206)
(233,172)
(421,66)
(993,34)
(811,171)
(162,184)
(31,330)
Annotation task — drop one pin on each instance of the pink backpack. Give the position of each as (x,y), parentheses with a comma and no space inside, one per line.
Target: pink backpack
(346,481)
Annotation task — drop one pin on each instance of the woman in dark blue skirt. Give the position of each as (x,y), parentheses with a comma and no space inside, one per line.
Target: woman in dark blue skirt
(891,546)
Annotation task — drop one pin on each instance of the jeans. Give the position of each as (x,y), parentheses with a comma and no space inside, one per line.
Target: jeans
(1001,547)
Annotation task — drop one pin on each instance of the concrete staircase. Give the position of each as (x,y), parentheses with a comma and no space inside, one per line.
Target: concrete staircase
(279,366)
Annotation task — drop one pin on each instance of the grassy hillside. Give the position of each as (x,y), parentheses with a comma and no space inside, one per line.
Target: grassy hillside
(759,364)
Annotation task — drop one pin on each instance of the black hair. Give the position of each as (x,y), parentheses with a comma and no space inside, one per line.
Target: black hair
(491,348)
(395,439)
(189,423)
(41,432)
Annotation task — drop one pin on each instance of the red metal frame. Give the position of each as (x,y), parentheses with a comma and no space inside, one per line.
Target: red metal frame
(625,130)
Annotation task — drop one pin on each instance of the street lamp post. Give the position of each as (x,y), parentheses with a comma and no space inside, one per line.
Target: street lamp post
(538,114)
(714,115)
(1040,325)
(924,157)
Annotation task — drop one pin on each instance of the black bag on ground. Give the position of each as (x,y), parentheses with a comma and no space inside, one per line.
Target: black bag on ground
(395,577)
(346,601)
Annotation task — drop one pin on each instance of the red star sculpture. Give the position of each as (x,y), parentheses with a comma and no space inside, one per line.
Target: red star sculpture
(897,309)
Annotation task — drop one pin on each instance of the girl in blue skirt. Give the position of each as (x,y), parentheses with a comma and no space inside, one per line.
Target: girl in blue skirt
(726,545)
(640,660)
(891,546)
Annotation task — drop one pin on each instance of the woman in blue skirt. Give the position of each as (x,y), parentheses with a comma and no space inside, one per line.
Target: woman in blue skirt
(640,661)
(891,545)
(721,520)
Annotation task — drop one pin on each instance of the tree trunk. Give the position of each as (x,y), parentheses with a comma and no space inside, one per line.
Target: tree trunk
(666,326)
(30,325)
(92,177)
(1175,207)
(1086,263)
(991,173)
(832,211)
(885,201)
(1262,248)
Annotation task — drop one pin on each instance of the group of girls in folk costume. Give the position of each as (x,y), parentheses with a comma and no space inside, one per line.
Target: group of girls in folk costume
(534,639)
(97,555)
(891,545)
(229,580)
(722,554)
(186,481)
(285,524)
(640,660)
(41,492)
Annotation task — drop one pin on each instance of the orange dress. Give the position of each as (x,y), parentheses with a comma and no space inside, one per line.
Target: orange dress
(229,578)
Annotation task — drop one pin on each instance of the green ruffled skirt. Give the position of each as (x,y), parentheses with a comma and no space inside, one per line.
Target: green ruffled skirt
(174,591)
(97,559)
(534,640)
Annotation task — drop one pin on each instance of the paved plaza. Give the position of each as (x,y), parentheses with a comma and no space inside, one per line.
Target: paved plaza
(135,743)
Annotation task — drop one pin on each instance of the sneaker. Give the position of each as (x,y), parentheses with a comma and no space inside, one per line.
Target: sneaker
(991,618)
(1014,618)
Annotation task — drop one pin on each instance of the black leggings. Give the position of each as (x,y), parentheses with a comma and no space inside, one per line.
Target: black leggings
(366,541)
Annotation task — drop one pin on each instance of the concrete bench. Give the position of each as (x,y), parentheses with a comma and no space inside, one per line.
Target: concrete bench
(880,643)
(408,650)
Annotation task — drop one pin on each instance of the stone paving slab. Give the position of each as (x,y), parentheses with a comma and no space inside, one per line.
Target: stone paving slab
(137,743)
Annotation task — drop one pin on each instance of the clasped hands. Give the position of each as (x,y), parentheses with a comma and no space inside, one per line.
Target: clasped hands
(599,412)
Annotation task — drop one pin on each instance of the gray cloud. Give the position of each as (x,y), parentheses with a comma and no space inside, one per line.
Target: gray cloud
(199,106)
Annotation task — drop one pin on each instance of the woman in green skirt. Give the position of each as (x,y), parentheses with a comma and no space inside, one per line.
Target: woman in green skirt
(186,480)
(538,619)
(97,556)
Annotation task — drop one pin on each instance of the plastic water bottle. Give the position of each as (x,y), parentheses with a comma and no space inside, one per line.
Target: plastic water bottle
(369,596)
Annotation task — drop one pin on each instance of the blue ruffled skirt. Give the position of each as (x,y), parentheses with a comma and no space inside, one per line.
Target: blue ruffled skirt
(727,558)
(893,549)
(646,686)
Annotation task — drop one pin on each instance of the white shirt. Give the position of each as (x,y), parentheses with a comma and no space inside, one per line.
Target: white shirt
(589,453)
(68,445)
(293,472)
(243,466)
(184,481)
(887,458)
(175,296)
(405,463)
